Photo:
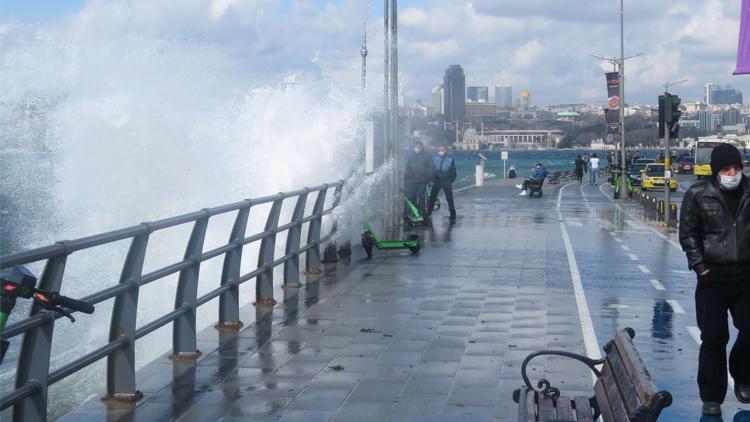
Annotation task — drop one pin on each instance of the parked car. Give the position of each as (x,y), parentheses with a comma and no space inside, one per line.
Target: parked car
(685,165)
(652,177)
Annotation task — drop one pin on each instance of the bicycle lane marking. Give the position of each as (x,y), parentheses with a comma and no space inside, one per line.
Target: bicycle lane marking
(590,342)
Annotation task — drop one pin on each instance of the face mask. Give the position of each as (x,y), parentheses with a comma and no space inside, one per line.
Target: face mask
(441,153)
(417,150)
(730,182)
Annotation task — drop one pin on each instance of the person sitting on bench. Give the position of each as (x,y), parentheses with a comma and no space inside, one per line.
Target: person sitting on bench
(538,176)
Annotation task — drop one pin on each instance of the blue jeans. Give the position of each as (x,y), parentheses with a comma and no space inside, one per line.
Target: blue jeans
(594,173)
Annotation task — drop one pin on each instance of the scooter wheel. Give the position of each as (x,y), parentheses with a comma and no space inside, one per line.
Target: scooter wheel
(415,249)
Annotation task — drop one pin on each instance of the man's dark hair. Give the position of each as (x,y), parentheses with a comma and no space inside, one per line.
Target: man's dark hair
(419,143)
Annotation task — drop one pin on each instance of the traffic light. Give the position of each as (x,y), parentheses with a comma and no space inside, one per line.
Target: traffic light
(675,109)
(669,110)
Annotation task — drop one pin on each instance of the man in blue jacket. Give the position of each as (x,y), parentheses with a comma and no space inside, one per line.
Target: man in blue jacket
(538,176)
(443,176)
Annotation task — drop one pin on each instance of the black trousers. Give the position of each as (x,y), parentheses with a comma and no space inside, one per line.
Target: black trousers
(415,191)
(447,187)
(715,296)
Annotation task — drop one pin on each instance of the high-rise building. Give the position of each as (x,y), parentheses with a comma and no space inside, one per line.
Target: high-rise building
(504,96)
(715,95)
(525,99)
(731,117)
(437,99)
(454,94)
(708,93)
(728,95)
(477,94)
(708,120)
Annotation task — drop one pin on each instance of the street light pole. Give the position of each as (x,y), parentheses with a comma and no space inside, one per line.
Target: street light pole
(623,174)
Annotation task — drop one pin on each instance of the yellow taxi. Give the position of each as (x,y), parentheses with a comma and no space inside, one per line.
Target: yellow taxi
(652,177)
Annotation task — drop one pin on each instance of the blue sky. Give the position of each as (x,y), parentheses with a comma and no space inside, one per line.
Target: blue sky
(540,45)
(32,11)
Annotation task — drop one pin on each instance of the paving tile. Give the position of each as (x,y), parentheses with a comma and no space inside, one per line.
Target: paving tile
(319,399)
(376,391)
(420,404)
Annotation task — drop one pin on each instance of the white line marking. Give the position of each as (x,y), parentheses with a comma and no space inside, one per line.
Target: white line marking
(657,285)
(643,269)
(695,333)
(625,247)
(676,307)
(617,239)
(658,233)
(682,272)
(587,326)
(632,257)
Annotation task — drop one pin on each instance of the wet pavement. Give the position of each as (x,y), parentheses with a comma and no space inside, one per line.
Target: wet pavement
(441,335)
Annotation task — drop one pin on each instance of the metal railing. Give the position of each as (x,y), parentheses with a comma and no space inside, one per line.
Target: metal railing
(33,378)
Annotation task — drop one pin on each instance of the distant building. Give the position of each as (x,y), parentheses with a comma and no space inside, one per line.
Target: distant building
(731,117)
(708,93)
(716,95)
(437,99)
(480,109)
(504,97)
(686,123)
(454,94)
(514,139)
(708,120)
(525,99)
(477,94)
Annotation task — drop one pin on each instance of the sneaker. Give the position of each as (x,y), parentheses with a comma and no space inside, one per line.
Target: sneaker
(519,186)
(523,193)
(711,408)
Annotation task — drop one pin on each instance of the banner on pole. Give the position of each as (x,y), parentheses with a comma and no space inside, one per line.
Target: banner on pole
(743,44)
(612,113)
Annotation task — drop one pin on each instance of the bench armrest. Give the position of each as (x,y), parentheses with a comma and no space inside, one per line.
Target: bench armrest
(546,388)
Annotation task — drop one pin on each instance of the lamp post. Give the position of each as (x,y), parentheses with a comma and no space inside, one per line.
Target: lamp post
(392,150)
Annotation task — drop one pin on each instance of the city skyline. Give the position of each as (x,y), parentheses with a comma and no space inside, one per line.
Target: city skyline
(543,46)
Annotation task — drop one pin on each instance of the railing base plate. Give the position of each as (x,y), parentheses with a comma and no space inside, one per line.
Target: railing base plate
(291,286)
(229,326)
(313,271)
(181,357)
(265,303)
(122,398)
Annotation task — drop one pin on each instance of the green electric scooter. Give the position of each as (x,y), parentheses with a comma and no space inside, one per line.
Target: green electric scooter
(370,241)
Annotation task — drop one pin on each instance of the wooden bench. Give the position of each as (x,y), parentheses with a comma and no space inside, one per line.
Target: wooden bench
(624,390)
(555,178)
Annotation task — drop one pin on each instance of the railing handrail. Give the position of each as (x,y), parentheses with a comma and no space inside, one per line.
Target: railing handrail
(32,382)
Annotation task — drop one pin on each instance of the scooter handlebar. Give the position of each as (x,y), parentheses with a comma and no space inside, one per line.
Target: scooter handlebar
(72,304)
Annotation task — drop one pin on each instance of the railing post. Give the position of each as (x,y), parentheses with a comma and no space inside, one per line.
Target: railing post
(312,258)
(291,267)
(121,364)
(33,362)
(264,282)
(184,343)
(229,301)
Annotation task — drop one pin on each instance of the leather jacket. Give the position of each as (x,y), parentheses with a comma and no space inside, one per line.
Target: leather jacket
(711,237)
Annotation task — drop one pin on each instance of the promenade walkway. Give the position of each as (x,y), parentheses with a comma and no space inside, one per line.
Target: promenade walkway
(441,335)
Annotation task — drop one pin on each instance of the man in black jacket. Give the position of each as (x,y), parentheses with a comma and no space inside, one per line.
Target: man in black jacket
(418,174)
(443,176)
(715,235)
